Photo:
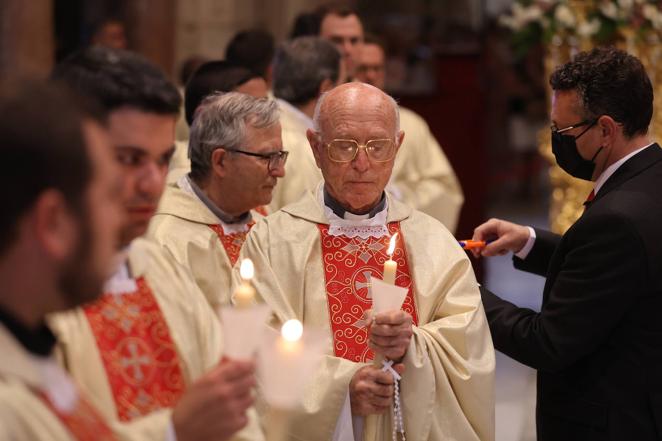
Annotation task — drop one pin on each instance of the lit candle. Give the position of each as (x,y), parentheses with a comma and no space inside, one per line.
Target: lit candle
(290,342)
(390,266)
(245,294)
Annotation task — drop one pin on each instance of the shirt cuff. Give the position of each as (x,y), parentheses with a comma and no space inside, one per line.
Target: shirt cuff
(170,434)
(529,244)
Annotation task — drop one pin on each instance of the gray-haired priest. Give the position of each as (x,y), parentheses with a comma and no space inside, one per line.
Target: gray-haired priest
(313,261)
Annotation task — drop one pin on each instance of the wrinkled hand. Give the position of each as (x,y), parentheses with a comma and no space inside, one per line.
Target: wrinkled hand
(506,237)
(371,390)
(390,333)
(214,407)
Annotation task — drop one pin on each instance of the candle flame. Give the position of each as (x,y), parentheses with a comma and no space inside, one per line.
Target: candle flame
(391,245)
(247,270)
(292,330)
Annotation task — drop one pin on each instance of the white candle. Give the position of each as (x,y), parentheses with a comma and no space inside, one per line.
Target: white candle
(245,294)
(289,343)
(390,266)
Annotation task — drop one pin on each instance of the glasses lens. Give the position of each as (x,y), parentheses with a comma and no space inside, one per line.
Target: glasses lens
(342,150)
(380,149)
(277,160)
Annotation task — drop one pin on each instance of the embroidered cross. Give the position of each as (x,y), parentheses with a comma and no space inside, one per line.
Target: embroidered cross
(135,361)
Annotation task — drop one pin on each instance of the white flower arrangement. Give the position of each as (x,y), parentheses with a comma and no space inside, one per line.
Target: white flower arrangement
(534,21)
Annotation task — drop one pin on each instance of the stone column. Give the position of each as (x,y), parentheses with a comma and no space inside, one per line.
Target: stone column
(151,28)
(27,45)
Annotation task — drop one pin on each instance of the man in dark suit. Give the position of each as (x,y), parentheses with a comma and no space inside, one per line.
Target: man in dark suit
(597,341)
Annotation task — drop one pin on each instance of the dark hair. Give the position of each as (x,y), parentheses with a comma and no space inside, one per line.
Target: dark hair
(253,49)
(43,147)
(340,8)
(610,82)
(189,66)
(301,65)
(118,78)
(306,23)
(214,76)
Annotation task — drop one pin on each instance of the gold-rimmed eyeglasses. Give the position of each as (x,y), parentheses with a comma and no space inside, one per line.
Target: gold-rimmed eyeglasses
(345,150)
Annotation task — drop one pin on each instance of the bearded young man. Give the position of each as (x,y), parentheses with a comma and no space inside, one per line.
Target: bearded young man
(59,230)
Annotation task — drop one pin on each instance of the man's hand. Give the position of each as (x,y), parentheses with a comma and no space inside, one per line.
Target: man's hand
(371,390)
(506,237)
(214,407)
(390,334)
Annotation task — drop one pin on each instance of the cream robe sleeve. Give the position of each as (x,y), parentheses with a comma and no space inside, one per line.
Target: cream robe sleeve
(23,416)
(193,326)
(422,175)
(448,384)
(196,247)
(280,266)
(179,163)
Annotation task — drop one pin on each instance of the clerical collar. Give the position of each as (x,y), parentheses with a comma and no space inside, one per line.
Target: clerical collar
(339,211)
(222,215)
(38,341)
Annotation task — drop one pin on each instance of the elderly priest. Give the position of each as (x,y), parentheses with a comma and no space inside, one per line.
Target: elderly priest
(314,259)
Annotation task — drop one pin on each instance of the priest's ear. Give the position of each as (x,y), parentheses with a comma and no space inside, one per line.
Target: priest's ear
(315,141)
(399,138)
(53,225)
(219,162)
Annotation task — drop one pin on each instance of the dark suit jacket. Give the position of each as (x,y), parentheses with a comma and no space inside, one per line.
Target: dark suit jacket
(597,342)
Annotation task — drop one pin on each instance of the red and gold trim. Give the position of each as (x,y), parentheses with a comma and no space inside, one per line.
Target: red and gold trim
(348,265)
(83,422)
(138,353)
(233,242)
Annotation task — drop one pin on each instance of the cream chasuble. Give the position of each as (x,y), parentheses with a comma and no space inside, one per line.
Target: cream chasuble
(136,349)
(422,176)
(199,241)
(447,391)
(301,172)
(180,164)
(38,401)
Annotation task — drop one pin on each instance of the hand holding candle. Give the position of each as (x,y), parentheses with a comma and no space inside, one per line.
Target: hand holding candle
(287,363)
(390,266)
(245,294)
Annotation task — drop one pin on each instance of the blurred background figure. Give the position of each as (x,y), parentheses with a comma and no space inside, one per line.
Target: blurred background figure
(188,67)
(340,24)
(211,77)
(304,69)
(110,33)
(422,175)
(253,49)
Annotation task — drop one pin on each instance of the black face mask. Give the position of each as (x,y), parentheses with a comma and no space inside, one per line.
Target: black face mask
(567,156)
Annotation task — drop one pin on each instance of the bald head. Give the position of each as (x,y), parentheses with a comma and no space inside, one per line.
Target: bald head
(341,102)
(355,141)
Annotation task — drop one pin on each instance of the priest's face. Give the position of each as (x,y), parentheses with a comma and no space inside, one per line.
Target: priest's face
(371,67)
(352,115)
(254,178)
(90,262)
(346,33)
(143,145)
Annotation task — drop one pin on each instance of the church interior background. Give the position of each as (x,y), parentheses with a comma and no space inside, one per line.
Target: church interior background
(452,61)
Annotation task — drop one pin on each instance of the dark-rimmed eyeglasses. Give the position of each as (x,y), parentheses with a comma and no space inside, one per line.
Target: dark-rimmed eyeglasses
(345,150)
(275,159)
(587,122)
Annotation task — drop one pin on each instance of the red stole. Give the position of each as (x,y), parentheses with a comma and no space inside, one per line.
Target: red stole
(83,422)
(138,353)
(232,242)
(348,263)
